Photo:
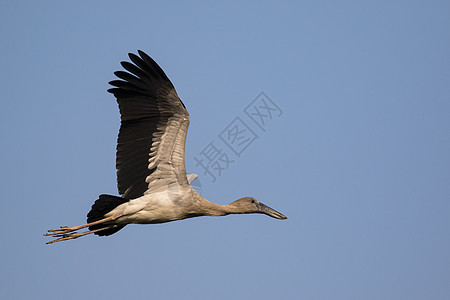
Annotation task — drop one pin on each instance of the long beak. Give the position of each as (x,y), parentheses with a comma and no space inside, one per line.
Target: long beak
(264,209)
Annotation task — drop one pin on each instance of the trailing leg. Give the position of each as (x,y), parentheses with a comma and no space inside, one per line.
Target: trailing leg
(67,229)
(96,220)
(74,235)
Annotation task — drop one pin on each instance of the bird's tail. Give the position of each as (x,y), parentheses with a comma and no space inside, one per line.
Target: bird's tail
(103,205)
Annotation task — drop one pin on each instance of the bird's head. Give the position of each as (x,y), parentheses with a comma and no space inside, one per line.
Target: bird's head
(249,205)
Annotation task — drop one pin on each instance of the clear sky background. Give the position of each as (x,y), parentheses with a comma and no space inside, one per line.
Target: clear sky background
(359,159)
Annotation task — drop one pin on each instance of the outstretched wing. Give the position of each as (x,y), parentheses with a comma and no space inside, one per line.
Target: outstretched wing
(152,136)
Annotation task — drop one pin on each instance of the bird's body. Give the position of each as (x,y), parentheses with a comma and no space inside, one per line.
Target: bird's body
(151,172)
(153,208)
(159,207)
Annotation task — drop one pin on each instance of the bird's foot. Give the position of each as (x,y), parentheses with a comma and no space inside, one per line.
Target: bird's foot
(62,230)
(63,236)
(68,236)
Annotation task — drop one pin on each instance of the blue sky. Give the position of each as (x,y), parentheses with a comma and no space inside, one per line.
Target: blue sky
(358,160)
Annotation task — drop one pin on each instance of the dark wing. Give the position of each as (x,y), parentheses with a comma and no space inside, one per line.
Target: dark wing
(150,147)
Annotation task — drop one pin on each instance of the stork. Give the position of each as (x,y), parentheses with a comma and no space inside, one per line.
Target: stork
(151,173)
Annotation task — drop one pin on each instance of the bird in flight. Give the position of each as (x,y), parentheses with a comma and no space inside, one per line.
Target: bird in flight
(151,173)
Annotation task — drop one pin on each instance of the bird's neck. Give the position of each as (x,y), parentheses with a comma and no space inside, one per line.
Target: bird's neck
(208,208)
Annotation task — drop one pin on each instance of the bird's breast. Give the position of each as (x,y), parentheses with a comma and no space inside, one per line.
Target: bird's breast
(153,208)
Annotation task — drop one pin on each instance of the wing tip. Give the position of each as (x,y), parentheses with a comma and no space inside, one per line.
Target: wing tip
(142,53)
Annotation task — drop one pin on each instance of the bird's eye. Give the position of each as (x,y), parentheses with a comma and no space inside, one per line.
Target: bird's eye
(253,200)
